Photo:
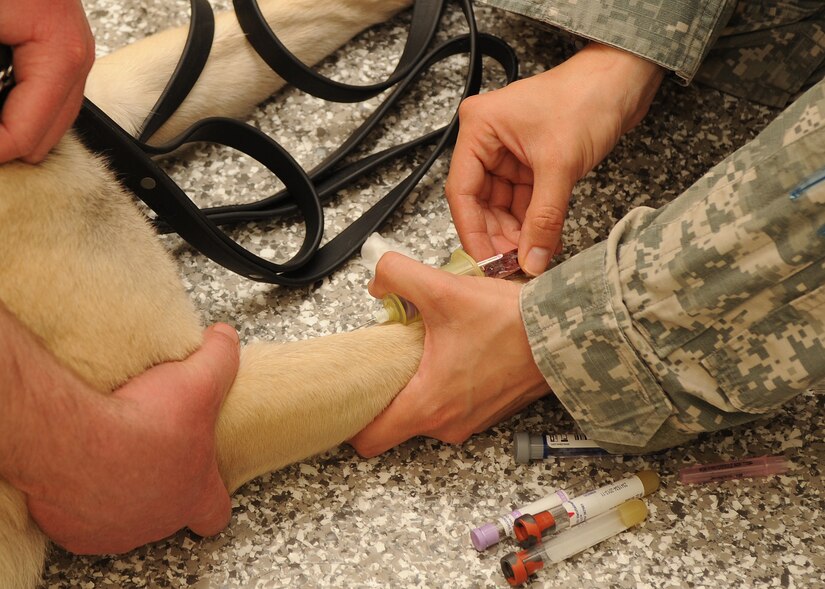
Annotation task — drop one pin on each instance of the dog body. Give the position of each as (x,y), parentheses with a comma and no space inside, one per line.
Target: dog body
(69,232)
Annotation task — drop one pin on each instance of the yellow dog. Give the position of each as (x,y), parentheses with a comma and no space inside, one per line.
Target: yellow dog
(71,216)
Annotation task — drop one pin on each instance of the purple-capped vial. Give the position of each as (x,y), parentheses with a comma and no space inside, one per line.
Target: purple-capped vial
(491,533)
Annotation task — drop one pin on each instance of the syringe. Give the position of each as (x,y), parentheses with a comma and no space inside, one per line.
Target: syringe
(518,566)
(396,309)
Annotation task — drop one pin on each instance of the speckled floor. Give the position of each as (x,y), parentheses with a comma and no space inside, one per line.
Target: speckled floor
(402,520)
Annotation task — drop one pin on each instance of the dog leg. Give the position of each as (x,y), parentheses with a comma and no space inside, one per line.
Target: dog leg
(291,401)
(235,78)
(22,545)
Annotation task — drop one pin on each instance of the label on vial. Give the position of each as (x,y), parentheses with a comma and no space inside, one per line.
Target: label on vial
(508,520)
(569,441)
(543,504)
(602,499)
(546,503)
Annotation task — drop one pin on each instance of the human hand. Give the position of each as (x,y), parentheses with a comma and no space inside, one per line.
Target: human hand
(53,53)
(143,464)
(477,368)
(521,149)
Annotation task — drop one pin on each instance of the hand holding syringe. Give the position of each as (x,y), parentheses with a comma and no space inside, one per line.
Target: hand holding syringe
(396,309)
(476,365)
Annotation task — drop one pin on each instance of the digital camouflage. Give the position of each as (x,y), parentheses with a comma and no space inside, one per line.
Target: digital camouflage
(703,314)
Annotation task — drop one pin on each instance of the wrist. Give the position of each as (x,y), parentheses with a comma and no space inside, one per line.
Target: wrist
(634,79)
(530,362)
(519,352)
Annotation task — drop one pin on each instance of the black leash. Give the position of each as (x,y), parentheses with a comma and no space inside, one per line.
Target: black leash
(6,73)
(304,193)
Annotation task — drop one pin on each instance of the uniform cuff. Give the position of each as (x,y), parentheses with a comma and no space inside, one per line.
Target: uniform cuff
(576,323)
(675,35)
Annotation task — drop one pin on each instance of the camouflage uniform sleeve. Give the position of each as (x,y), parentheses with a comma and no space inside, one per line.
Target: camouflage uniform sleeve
(701,315)
(675,34)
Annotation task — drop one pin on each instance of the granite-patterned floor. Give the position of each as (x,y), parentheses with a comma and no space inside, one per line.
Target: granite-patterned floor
(402,520)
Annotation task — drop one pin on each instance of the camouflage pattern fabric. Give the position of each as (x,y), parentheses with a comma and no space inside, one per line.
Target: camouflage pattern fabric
(769,51)
(706,313)
(765,50)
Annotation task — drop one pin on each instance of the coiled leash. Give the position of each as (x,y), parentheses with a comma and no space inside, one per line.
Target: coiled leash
(304,192)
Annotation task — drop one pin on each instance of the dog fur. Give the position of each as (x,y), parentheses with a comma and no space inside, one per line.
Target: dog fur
(69,232)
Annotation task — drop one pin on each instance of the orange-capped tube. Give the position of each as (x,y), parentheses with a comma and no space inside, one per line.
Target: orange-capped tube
(579,509)
(518,566)
(530,529)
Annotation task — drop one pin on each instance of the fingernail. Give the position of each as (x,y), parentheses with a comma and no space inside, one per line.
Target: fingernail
(537,260)
(228,331)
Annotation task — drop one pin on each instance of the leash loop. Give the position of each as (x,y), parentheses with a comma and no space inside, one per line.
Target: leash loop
(304,192)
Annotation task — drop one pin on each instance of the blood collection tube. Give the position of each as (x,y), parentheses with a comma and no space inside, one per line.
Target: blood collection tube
(530,529)
(745,467)
(529,447)
(518,566)
(491,533)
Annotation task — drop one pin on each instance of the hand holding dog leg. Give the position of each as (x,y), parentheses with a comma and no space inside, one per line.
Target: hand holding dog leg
(477,368)
(154,468)
(53,53)
(521,149)
(105,474)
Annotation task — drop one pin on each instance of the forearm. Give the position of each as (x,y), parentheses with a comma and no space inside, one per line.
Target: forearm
(93,466)
(707,313)
(42,404)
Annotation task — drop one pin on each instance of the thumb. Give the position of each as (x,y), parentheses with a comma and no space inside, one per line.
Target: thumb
(216,362)
(407,278)
(204,376)
(389,429)
(543,222)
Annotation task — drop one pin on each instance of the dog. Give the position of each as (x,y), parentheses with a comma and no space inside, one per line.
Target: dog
(97,241)
(49,255)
